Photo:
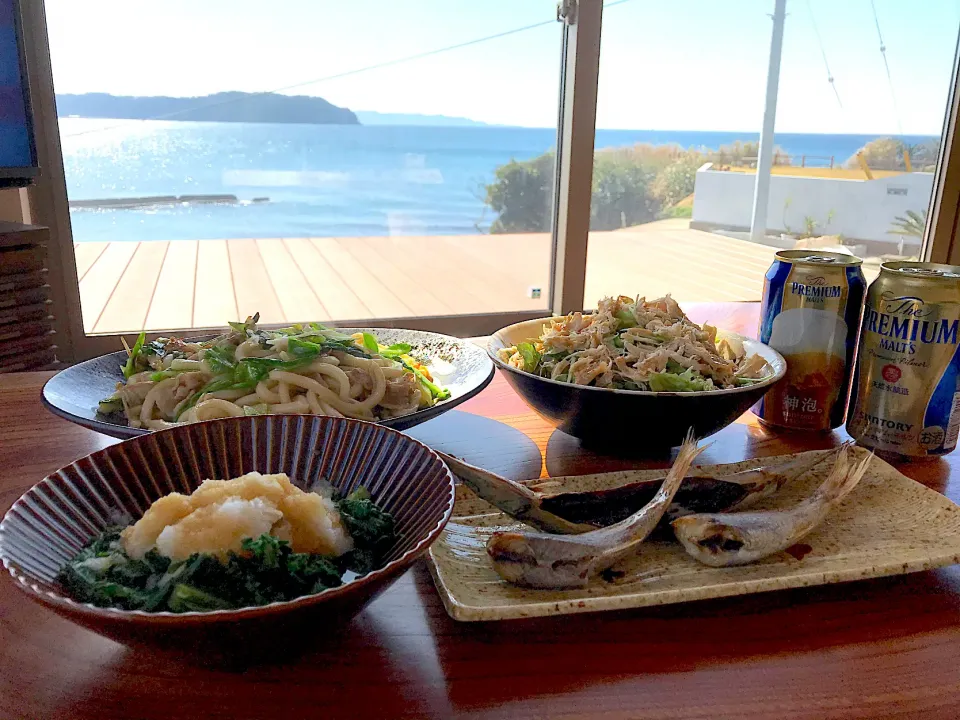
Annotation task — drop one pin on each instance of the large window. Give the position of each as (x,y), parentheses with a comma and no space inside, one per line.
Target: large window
(459,166)
(378,178)
(679,117)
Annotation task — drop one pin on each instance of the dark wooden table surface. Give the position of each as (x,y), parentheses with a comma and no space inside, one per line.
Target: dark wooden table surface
(880,648)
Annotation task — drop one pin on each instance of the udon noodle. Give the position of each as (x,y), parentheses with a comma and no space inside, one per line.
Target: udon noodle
(302,369)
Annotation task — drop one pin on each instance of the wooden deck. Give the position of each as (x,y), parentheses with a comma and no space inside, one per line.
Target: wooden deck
(128,286)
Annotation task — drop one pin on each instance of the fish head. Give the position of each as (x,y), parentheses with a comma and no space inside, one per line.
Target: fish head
(708,540)
(537,561)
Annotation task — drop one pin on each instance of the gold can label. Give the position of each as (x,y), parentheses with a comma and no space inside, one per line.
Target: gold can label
(906,397)
(810,313)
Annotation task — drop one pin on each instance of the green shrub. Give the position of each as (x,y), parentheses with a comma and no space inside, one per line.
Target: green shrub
(622,194)
(677,211)
(736,153)
(676,181)
(880,154)
(627,187)
(912,225)
(631,185)
(522,195)
(887,154)
(923,156)
(742,154)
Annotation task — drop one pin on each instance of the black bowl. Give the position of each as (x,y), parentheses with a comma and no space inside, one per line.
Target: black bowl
(631,420)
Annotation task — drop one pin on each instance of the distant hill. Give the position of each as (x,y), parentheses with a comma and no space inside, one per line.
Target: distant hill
(219,107)
(369,117)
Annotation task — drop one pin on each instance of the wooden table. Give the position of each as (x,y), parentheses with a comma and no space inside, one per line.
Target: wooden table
(880,648)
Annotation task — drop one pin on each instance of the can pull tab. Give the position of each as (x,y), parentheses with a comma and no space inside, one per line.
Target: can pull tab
(926,272)
(822,259)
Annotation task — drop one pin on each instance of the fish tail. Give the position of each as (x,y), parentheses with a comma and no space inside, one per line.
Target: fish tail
(801,465)
(638,526)
(844,477)
(685,457)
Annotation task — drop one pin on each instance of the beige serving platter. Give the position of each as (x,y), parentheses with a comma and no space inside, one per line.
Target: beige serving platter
(889,525)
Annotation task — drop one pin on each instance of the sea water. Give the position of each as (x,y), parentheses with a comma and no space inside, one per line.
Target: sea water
(323,180)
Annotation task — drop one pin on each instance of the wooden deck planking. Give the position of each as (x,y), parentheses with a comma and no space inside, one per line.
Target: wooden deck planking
(754,257)
(298,297)
(130,301)
(172,304)
(381,301)
(625,278)
(743,257)
(424,266)
(214,302)
(678,231)
(413,289)
(87,254)
(512,264)
(337,296)
(527,253)
(206,283)
(647,268)
(100,280)
(693,264)
(523,257)
(252,288)
(648,263)
(745,261)
(484,278)
(740,262)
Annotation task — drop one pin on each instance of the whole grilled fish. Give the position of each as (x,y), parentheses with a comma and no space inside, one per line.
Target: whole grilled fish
(541,560)
(570,513)
(727,539)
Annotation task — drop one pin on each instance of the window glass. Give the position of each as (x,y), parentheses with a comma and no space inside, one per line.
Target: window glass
(306,160)
(679,116)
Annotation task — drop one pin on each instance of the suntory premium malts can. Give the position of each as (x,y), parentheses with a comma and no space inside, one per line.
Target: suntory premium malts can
(905,398)
(810,314)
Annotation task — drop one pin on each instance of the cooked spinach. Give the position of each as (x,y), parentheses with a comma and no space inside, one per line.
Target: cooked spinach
(373,531)
(265,570)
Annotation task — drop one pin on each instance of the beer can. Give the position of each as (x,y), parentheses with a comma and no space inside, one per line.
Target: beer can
(810,314)
(906,400)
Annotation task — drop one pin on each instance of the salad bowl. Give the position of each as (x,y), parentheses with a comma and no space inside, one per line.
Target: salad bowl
(631,420)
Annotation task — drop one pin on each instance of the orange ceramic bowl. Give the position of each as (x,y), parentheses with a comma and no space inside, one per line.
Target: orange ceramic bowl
(51,522)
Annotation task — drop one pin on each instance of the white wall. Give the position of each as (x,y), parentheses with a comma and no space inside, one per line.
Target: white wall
(862,209)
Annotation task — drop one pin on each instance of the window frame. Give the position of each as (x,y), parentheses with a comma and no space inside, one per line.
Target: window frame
(940,236)
(576,130)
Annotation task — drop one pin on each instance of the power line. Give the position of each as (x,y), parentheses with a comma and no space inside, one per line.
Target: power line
(355,71)
(823,52)
(886,65)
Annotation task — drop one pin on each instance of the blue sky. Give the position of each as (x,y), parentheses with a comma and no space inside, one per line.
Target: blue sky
(665,64)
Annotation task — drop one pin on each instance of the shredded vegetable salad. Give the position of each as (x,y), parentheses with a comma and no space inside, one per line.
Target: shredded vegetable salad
(633,344)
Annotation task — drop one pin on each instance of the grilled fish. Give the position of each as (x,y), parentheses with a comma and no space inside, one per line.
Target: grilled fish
(728,539)
(570,513)
(541,560)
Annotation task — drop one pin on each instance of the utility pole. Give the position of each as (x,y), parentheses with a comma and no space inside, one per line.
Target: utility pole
(761,192)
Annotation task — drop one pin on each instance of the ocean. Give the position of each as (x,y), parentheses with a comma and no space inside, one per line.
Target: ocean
(323,180)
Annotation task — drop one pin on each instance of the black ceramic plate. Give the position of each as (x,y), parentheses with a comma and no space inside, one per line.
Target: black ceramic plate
(458,365)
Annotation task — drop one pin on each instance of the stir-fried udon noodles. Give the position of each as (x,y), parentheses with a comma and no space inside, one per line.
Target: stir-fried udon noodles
(632,344)
(302,369)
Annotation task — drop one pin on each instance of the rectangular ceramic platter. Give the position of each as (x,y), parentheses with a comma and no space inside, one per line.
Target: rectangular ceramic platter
(889,525)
